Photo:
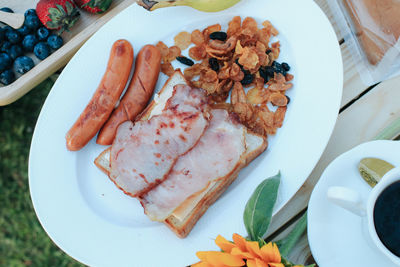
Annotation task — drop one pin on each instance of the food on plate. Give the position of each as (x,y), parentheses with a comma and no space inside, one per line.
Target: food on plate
(376,24)
(182,152)
(202,5)
(219,147)
(58,15)
(105,97)
(94,6)
(143,154)
(243,53)
(138,94)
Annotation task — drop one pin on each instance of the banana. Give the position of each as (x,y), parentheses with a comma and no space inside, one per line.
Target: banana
(202,5)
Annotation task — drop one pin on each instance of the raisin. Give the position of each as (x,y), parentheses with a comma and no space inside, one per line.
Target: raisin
(285,66)
(237,62)
(185,60)
(263,74)
(278,68)
(218,36)
(269,71)
(214,65)
(248,78)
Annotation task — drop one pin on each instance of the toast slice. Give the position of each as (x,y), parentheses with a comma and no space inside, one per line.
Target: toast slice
(183,219)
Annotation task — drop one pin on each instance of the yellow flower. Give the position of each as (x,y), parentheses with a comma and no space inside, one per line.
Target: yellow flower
(240,253)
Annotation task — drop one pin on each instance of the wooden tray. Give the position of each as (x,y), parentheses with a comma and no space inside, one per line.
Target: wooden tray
(87,25)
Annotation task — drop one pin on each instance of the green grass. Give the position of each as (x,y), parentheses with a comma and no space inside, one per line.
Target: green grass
(23,241)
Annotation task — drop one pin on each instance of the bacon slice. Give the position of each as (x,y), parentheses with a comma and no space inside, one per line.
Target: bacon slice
(143,153)
(215,156)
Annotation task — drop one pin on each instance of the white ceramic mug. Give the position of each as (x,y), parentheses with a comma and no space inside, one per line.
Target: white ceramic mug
(353,202)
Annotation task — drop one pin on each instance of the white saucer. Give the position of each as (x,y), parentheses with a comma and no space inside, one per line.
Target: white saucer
(336,236)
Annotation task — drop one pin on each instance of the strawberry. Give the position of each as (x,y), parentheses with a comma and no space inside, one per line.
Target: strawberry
(60,15)
(94,6)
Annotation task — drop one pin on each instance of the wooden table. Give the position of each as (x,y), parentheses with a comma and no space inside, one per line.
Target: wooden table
(364,113)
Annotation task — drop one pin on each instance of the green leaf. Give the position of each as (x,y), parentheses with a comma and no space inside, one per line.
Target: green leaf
(52,24)
(288,263)
(54,13)
(62,10)
(258,211)
(69,7)
(285,245)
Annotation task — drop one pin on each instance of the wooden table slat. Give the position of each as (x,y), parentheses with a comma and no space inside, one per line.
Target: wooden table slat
(323,4)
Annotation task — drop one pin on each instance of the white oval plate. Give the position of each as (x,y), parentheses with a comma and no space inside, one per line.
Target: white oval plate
(336,236)
(90,219)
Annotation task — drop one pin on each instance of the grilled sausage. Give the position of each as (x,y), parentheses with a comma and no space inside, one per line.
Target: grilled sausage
(105,97)
(138,94)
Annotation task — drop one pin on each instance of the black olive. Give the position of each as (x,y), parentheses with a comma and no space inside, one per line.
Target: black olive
(288,100)
(185,60)
(268,51)
(285,66)
(218,36)
(214,65)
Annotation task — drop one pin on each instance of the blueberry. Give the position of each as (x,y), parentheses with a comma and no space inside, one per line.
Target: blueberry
(7,77)
(24,31)
(5,61)
(7,28)
(55,41)
(15,51)
(7,9)
(42,33)
(29,42)
(5,47)
(23,64)
(13,36)
(2,34)
(214,65)
(32,22)
(30,12)
(42,50)
(285,66)
(185,60)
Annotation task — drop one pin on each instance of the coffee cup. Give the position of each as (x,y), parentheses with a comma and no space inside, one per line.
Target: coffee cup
(380,204)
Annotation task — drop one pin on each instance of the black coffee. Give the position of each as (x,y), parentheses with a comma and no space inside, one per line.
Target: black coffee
(387,217)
